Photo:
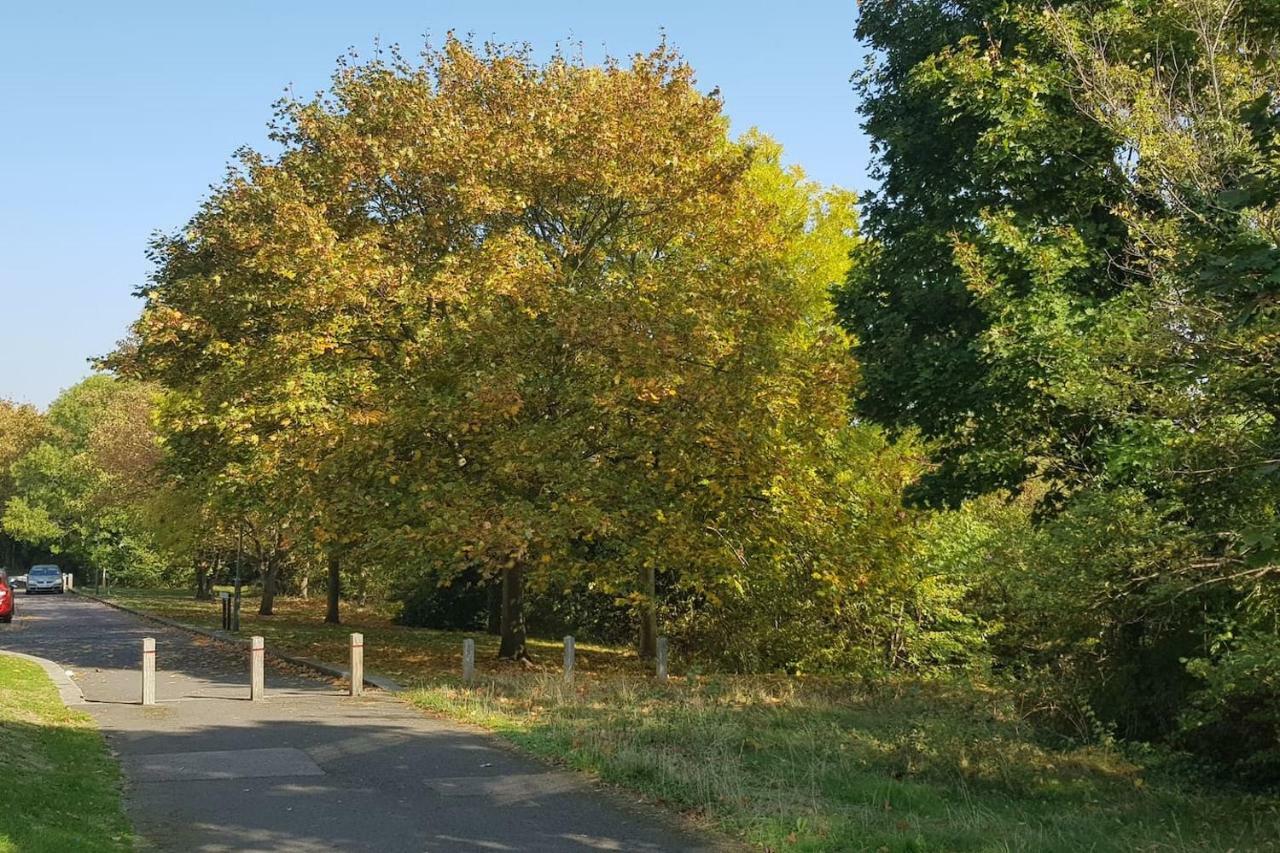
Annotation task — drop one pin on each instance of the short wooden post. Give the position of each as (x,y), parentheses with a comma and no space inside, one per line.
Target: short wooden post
(357,664)
(148,671)
(568,660)
(662,659)
(68,581)
(257,662)
(468,660)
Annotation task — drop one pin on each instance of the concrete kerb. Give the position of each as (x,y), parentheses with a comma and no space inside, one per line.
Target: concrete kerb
(371,679)
(68,690)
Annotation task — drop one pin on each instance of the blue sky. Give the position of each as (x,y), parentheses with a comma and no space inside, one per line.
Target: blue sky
(118,117)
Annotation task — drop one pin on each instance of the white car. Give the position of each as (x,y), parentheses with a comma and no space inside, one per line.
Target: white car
(44,579)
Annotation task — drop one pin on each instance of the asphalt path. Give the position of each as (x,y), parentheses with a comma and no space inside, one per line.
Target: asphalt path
(308,768)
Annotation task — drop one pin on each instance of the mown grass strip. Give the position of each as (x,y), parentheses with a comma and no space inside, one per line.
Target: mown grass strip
(61,787)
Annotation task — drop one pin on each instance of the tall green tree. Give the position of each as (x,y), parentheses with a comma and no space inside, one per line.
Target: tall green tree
(1187,358)
(991,239)
(991,243)
(1091,326)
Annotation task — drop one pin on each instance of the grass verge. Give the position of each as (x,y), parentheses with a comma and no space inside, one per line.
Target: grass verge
(61,788)
(915,766)
(789,764)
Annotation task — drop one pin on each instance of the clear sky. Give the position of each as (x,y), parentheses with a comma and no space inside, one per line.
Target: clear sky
(116,118)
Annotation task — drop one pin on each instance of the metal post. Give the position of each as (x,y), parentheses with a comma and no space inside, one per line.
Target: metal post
(225,599)
(357,664)
(568,660)
(662,658)
(468,660)
(148,671)
(257,660)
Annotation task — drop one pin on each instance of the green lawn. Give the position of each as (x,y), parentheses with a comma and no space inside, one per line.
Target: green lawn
(61,788)
(793,764)
(408,655)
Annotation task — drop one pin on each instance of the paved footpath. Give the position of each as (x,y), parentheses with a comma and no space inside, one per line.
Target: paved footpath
(309,768)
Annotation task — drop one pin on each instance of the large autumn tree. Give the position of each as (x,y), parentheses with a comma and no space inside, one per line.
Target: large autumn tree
(544,320)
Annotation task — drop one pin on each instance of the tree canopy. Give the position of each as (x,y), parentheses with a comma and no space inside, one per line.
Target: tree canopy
(547,322)
(1068,285)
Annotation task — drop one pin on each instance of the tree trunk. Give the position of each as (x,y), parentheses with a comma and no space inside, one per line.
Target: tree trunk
(304,585)
(648,641)
(512,646)
(268,587)
(205,573)
(334,589)
(362,585)
(271,576)
(494,623)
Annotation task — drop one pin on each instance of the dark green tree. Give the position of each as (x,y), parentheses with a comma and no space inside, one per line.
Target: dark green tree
(989,242)
(1069,287)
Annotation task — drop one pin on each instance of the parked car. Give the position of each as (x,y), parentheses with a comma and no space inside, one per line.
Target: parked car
(18,582)
(6,598)
(44,579)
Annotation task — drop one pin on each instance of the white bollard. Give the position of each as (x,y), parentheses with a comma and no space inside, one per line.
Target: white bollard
(468,660)
(662,659)
(568,660)
(257,662)
(357,664)
(148,671)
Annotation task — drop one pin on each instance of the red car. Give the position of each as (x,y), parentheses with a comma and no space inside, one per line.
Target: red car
(6,599)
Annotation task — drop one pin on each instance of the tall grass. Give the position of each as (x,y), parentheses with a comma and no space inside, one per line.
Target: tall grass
(787,764)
